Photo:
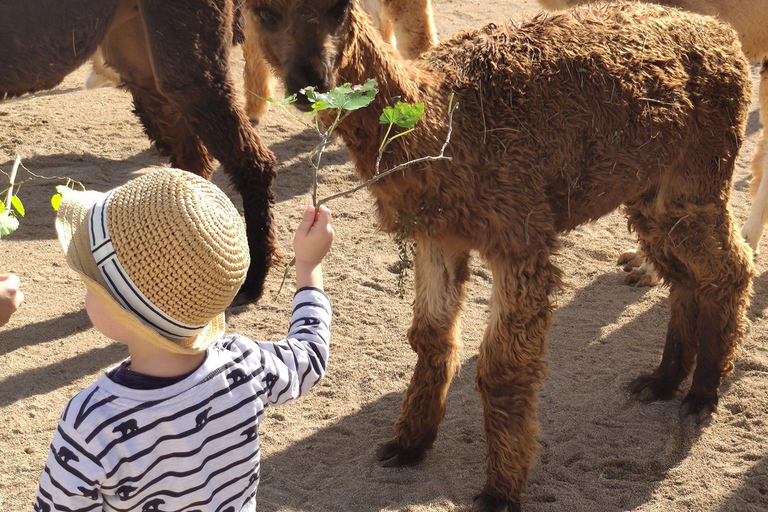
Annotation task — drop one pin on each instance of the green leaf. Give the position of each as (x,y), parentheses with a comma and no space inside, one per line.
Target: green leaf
(56,201)
(343,97)
(8,224)
(16,202)
(403,115)
(318,106)
(285,101)
(2,207)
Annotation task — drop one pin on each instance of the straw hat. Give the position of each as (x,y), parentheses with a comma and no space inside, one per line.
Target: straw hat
(166,253)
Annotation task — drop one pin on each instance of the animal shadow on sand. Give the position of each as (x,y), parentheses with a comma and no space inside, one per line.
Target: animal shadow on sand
(94,172)
(294,174)
(98,173)
(597,453)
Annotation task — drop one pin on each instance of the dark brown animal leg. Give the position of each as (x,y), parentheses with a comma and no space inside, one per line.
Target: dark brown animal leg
(189,45)
(125,49)
(509,369)
(439,280)
(679,349)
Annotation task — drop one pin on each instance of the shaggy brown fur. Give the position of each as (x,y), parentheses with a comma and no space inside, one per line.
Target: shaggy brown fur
(407,23)
(750,19)
(173,58)
(561,120)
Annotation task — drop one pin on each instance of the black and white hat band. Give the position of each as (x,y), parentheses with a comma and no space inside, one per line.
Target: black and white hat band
(120,284)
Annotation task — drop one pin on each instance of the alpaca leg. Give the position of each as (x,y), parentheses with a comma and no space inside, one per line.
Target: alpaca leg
(439,281)
(758,187)
(101,74)
(723,298)
(126,50)
(679,350)
(413,24)
(701,247)
(374,9)
(509,369)
(189,43)
(257,74)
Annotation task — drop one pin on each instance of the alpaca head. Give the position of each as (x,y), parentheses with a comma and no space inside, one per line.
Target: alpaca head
(302,40)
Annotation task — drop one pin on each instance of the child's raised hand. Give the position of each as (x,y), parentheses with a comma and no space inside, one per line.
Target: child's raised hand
(313,237)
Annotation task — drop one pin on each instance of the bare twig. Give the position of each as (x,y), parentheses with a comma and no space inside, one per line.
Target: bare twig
(12,179)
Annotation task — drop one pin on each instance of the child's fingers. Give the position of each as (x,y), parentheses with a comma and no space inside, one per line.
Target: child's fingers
(323,216)
(307,220)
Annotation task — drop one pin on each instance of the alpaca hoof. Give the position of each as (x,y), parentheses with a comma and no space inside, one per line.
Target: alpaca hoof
(700,406)
(650,388)
(644,275)
(486,503)
(631,260)
(752,235)
(392,455)
(245,296)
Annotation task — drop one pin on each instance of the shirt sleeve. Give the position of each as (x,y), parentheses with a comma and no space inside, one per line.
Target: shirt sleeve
(295,364)
(72,476)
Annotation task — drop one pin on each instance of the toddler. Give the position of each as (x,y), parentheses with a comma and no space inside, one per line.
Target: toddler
(175,426)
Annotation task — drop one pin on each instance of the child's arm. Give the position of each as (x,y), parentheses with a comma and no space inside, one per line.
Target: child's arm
(71,478)
(297,363)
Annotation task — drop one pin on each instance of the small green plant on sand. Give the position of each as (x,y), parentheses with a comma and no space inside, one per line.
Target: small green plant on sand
(13,206)
(400,120)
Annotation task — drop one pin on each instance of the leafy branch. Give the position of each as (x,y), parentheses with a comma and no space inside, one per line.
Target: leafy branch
(14,206)
(344,100)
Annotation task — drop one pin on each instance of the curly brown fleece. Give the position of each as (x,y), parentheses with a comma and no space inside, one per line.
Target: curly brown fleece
(173,58)
(750,20)
(561,119)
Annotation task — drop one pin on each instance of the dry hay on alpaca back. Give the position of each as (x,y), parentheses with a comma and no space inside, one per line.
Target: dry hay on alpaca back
(406,24)
(750,20)
(561,119)
(187,109)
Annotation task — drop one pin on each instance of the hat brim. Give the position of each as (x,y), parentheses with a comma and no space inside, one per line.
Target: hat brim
(72,231)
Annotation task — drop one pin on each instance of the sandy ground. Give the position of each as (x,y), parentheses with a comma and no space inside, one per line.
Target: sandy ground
(601,449)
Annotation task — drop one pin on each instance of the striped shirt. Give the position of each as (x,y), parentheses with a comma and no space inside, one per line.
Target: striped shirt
(190,446)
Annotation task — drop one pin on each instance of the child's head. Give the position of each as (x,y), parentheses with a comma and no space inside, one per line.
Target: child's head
(162,256)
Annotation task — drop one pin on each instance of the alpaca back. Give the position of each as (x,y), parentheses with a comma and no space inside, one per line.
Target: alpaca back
(569,98)
(748,17)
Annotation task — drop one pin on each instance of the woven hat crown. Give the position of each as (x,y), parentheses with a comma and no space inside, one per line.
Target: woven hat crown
(181,241)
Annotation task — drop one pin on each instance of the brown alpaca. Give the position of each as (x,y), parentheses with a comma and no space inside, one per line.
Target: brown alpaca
(750,20)
(173,58)
(408,24)
(561,120)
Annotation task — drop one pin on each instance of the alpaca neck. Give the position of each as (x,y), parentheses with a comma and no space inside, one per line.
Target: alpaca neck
(367,56)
